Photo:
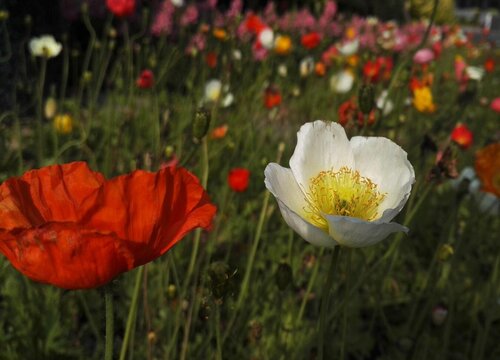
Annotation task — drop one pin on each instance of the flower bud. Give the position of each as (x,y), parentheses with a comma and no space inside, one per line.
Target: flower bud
(171,291)
(28,20)
(63,124)
(284,276)
(50,108)
(4,15)
(366,98)
(445,252)
(201,123)
(86,77)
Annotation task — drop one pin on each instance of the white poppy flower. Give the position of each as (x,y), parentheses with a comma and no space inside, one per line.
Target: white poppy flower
(266,38)
(341,192)
(228,100)
(178,3)
(213,90)
(385,103)
(349,48)
(282,70)
(306,66)
(474,72)
(45,46)
(342,82)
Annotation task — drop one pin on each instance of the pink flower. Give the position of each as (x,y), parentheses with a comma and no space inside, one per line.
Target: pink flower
(190,16)
(423,56)
(328,14)
(234,9)
(163,22)
(495,105)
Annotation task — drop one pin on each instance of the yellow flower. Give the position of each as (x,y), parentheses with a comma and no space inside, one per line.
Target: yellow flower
(63,123)
(282,45)
(422,100)
(220,34)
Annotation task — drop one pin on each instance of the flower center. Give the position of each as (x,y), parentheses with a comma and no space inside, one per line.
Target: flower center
(344,193)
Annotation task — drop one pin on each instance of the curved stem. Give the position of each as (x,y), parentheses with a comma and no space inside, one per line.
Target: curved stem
(108,296)
(325,300)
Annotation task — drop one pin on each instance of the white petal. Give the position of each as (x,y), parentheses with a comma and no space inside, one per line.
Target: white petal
(308,232)
(281,183)
(386,164)
(354,232)
(320,146)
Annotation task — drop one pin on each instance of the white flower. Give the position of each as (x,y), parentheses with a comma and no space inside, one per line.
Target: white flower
(177,3)
(349,48)
(341,192)
(236,54)
(266,38)
(474,72)
(213,90)
(228,100)
(385,103)
(282,70)
(45,46)
(306,66)
(342,81)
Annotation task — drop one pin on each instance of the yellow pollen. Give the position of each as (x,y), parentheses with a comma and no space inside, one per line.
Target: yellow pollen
(345,193)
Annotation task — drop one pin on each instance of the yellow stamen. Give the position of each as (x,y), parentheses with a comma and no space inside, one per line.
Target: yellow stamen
(345,193)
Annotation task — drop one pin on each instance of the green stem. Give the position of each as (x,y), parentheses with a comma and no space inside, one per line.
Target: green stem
(132,313)
(325,296)
(344,322)
(39,128)
(310,284)
(108,296)
(217,332)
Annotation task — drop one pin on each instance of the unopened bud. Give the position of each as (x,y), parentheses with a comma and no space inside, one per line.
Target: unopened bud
(171,291)
(28,20)
(50,108)
(169,151)
(445,252)
(284,276)
(201,123)
(87,77)
(63,124)
(366,98)
(152,337)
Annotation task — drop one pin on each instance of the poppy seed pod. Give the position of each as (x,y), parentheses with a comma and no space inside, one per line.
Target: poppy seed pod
(366,98)
(201,123)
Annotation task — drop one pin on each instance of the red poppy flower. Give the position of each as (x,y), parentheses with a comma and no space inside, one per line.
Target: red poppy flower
(145,79)
(68,226)
(462,136)
(371,70)
(211,59)
(121,8)
(310,40)
(272,98)
(254,24)
(489,65)
(346,112)
(238,179)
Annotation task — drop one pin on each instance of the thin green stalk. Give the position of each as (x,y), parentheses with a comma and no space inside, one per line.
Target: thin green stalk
(344,322)
(325,297)
(108,296)
(39,127)
(132,313)
(310,285)
(217,332)
(248,270)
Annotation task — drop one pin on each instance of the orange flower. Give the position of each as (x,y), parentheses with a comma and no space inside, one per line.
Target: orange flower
(283,45)
(219,132)
(320,69)
(462,136)
(68,226)
(220,34)
(488,168)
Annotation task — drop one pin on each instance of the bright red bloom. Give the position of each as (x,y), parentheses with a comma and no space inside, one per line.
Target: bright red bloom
(211,59)
(145,80)
(489,65)
(254,24)
(121,8)
(238,179)
(495,105)
(310,40)
(347,111)
(272,98)
(371,70)
(68,226)
(462,136)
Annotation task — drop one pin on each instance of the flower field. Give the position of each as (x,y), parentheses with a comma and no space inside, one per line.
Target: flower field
(193,180)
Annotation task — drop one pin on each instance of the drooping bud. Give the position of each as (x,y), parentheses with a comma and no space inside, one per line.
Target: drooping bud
(4,15)
(366,98)
(50,108)
(439,314)
(219,279)
(445,252)
(284,276)
(201,123)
